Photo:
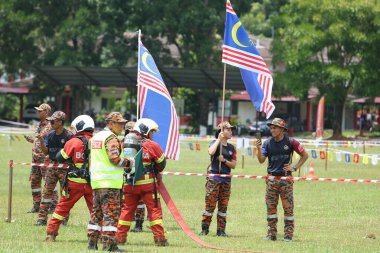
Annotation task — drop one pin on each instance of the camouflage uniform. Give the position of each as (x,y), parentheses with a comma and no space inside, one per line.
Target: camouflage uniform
(218,190)
(37,172)
(279,153)
(54,144)
(106,210)
(284,189)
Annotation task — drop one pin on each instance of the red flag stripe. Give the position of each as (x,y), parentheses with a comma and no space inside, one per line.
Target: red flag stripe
(154,83)
(250,64)
(157,81)
(243,55)
(249,59)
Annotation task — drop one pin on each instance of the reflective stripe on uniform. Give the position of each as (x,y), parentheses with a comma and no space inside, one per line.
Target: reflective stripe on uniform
(146,180)
(272,216)
(222,214)
(161,158)
(64,155)
(288,217)
(207,213)
(96,176)
(125,223)
(78,180)
(57,216)
(36,190)
(109,228)
(46,200)
(93,227)
(155,222)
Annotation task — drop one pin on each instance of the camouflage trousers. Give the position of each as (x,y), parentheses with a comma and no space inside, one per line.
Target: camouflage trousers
(283,189)
(140,211)
(50,193)
(217,192)
(104,217)
(37,173)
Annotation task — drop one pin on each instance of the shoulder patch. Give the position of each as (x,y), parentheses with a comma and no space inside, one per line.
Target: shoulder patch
(96,144)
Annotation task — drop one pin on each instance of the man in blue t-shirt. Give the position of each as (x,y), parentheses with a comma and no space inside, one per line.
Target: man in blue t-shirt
(53,142)
(279,150)
(218,189)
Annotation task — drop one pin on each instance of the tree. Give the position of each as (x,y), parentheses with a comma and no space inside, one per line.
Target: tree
(327,44)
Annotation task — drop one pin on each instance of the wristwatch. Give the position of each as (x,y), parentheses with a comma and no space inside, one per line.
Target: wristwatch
(294,168)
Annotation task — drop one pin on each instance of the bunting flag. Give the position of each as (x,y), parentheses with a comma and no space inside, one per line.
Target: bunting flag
(330,155)
(322,155)
(374,160)
(157,104)
(338,156)
(356,158)
(365,159)
(240,51)
(347,157)
(314,154)
(249,149)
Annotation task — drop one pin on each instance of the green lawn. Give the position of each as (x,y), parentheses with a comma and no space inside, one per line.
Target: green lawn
(330,217)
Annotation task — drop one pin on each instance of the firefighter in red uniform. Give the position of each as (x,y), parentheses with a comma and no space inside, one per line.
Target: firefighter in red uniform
(77,182)
(145,187)
(131,147)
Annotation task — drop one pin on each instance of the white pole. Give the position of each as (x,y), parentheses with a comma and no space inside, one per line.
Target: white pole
(138,77)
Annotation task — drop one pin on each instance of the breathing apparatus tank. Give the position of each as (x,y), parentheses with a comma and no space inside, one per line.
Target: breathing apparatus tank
(131,147)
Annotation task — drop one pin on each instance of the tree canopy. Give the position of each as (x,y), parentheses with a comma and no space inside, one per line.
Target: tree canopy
(327,44)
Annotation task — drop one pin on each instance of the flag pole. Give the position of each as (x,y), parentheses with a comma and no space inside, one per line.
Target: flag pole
(138,76)
(224,93)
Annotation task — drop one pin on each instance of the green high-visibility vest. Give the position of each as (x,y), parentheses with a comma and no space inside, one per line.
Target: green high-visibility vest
(103,173)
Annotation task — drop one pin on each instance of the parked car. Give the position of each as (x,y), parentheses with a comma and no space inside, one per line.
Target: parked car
(241,130)
(262,127)
(30,113)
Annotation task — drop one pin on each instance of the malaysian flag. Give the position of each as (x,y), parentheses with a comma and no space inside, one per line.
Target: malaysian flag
(157,104)
(239,51)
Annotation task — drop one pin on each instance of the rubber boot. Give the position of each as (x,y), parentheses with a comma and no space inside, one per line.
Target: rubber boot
(35,208)
(161,243)
(204,229)
(138,226)
(92,243)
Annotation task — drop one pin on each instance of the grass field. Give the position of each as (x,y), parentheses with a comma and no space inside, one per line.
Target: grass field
(329,217)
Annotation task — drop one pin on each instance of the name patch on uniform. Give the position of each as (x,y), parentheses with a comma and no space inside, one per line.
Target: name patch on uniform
(96,144)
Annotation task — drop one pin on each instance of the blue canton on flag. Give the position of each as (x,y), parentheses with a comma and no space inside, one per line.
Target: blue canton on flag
(239,51)
(157,104)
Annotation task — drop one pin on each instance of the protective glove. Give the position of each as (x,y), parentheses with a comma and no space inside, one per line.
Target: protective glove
(132,165)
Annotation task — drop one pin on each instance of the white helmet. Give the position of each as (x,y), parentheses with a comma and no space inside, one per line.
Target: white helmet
(145,125)
(83,123)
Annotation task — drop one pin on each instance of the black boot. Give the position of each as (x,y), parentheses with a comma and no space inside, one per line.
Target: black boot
(138,226)
(220,232)
(114,248)
(35,208)
(92,243)
(204,230)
